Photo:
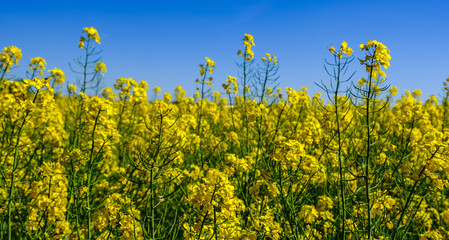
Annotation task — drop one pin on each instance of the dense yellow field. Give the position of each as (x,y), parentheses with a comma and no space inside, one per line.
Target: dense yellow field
(251,163)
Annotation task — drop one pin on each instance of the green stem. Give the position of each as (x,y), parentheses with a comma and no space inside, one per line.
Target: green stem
(342,193)
(89,178)
(265,82)
(368,155)
(83,89)
(3,75)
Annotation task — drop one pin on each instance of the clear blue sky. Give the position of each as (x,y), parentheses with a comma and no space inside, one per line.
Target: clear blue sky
(163,42)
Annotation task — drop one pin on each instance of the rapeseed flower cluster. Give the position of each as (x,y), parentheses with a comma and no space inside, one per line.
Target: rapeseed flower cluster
(270,58)
(248,42)
(231,81)
(58,75)
(100,66)
(344,50)
(377,56)
(38,63)
(92,33)
(10,56)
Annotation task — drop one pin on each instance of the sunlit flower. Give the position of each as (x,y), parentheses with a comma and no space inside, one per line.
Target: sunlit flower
(92,33)
(58,75)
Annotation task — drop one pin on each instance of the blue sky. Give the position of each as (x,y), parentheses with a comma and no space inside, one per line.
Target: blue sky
(163,42)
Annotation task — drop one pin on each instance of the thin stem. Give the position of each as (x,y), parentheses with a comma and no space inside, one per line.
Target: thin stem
(342,193)
(89,178)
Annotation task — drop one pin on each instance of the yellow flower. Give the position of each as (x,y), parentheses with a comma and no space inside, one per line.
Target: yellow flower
(344,45)
(81,43)
(92,33)
(393,91)
(38,63)
(210,63)
(58,75)
(10,56)
(249,38)
(332,49)
(308,213)
(125,85)
(268,56)
(37,82)
(362,82)
(100,66)
(197,95)
(108,93)
(250,54)
(345,49)
(157,91)
(362,47)
(15,52)
(339,55)
(445,216)
(72,88)
(377,55)
(231,80)
(417,93)
(167,97)
(382,54)
(248,41)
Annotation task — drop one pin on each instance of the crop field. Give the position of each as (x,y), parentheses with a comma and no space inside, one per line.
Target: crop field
(241,159)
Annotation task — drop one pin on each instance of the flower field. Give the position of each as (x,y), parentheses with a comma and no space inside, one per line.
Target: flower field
(247,161)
